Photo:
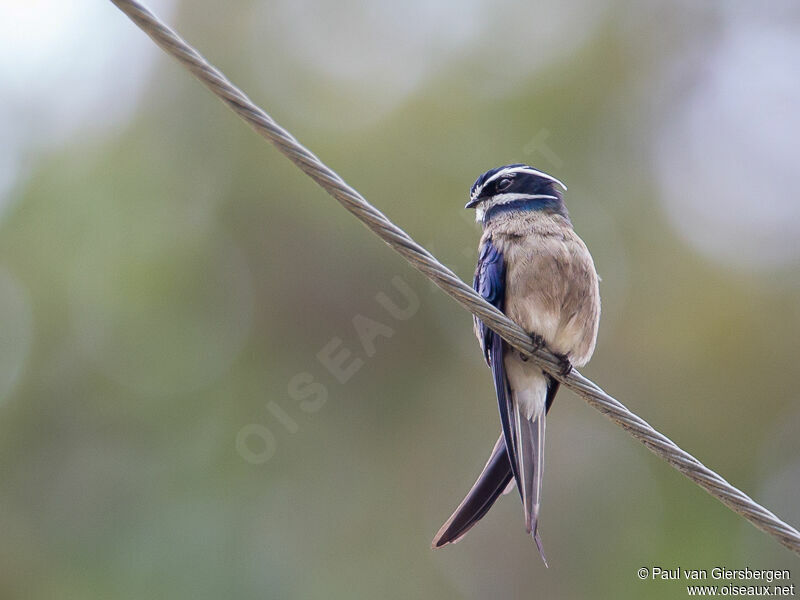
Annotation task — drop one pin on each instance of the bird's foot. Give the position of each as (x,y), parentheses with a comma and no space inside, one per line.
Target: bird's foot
(537,342)
(565,366)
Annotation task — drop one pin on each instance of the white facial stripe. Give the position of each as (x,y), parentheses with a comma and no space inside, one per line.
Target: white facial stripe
(510,170)
(499,199)
(506,198)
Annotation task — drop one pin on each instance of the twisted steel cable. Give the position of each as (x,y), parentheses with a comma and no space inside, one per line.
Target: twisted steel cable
(443,277)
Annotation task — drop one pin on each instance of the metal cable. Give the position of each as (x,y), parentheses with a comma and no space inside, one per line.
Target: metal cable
(443,277)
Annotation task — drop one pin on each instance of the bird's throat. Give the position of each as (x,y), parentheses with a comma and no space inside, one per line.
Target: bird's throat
(551,205)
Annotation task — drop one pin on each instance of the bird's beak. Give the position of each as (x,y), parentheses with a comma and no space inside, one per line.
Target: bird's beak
(473,203)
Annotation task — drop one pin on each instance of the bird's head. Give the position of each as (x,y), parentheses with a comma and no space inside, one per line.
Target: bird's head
(515,188)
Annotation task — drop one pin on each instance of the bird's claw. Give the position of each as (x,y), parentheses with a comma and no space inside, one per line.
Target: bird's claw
(565,366)
(537,342)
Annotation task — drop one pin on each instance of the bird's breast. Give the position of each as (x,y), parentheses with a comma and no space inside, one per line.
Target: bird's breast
(552,290)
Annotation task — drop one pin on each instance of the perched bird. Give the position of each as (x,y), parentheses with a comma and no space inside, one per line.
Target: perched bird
(536,269)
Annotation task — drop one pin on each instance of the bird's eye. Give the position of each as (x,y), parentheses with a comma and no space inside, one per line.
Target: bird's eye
(503,184)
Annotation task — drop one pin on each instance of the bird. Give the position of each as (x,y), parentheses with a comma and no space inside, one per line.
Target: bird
(537,270)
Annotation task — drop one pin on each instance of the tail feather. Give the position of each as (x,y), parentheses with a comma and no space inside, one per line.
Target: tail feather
(497,476)
(530,441)
(531,396)
(493,481)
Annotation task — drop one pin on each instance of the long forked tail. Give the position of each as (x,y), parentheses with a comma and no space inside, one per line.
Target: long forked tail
(530,441)
(532,393)
(492,482)
(496,479)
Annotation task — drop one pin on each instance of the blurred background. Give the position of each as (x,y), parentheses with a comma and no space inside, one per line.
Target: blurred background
(168,283)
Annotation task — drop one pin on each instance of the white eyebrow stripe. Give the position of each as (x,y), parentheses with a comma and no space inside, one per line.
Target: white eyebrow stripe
(510,170)
(523,170)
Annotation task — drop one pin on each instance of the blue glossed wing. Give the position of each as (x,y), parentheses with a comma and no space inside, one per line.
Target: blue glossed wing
(490,283)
